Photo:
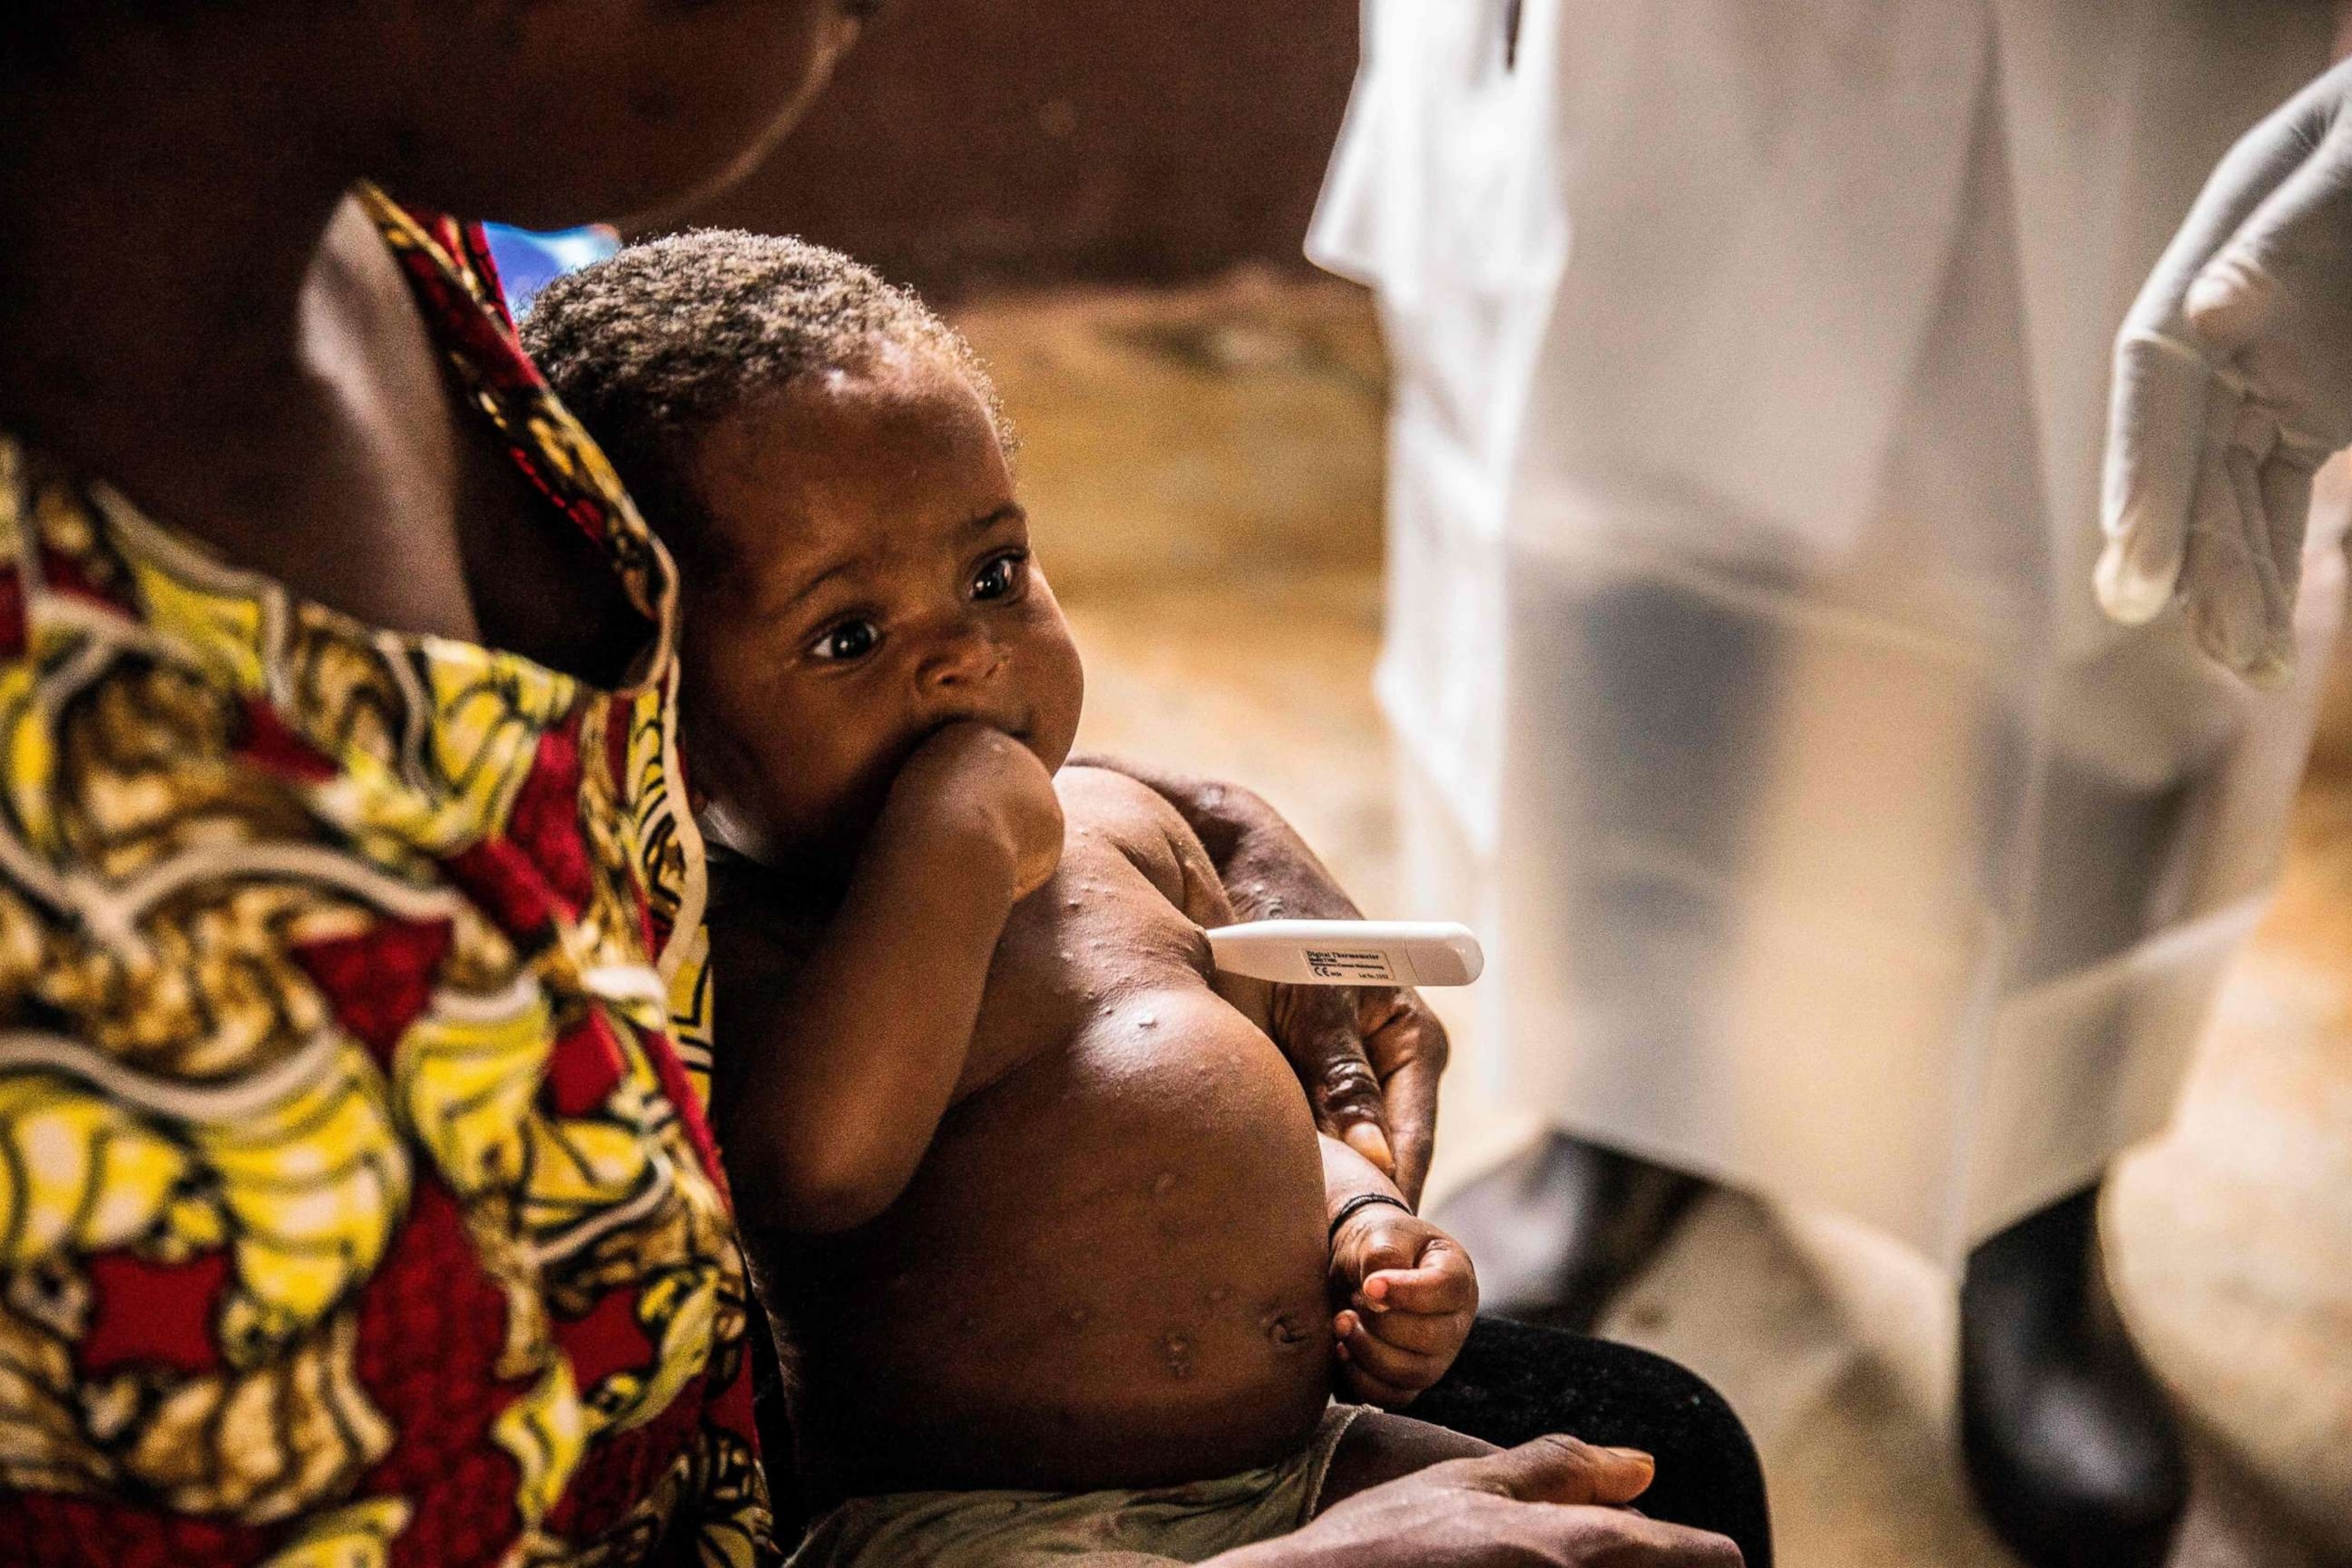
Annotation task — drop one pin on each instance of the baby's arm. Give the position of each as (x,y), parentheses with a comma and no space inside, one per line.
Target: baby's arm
(843,1041)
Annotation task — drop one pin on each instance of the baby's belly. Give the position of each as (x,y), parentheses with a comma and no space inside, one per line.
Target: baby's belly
(1109,1271)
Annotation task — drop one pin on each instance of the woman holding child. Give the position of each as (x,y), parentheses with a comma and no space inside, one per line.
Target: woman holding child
(358,1203)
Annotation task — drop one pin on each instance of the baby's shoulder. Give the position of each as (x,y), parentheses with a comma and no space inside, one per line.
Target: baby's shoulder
(1109,810)
(1103,798)
(1100,803)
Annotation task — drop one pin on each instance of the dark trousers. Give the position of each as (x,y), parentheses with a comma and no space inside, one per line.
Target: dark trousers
(1513,1382)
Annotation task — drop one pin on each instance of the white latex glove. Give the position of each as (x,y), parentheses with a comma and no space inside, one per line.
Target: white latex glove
(2233,381)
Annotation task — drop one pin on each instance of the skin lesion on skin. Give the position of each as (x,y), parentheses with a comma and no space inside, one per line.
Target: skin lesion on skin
(1285,1332)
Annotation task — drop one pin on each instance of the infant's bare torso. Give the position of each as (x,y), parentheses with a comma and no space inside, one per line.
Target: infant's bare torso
(1109,1269)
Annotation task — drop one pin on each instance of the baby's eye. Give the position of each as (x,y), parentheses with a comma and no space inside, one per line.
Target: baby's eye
(846,640)
(1000,578)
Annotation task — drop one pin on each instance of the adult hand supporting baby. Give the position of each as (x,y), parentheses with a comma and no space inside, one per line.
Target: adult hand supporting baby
(1369,1056)
(2232,384)
(1553,1501)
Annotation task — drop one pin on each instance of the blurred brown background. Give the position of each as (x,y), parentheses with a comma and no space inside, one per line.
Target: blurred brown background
(986,143)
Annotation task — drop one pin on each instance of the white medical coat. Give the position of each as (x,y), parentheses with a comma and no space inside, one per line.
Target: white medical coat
(1751,370)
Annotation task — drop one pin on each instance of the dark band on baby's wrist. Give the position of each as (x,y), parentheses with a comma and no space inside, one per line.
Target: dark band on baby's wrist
(1363,1201)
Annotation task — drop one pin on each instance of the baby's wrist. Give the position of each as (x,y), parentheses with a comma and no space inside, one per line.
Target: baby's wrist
(1355,1206)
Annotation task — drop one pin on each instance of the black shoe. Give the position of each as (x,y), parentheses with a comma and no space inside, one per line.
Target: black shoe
(2071,1446)
(1558,1229)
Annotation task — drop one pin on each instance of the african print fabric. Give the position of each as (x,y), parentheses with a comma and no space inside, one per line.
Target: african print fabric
(356,1206)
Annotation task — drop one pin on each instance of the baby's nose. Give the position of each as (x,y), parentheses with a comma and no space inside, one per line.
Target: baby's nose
(963,658)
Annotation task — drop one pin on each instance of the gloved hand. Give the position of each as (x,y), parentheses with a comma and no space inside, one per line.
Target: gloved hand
(2233,383)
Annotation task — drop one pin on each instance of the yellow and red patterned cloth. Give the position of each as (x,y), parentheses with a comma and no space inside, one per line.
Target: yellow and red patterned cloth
(357,1204)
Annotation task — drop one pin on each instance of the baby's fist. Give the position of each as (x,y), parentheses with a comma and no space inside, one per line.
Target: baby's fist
(1408,1295)
(976,784)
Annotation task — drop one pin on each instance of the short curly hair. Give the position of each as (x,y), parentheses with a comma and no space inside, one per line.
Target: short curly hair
(653,346)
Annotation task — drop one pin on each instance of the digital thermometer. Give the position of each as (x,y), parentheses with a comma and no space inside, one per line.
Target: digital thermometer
(1351,952)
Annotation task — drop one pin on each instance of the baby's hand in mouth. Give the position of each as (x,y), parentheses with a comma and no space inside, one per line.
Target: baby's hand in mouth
(971,787)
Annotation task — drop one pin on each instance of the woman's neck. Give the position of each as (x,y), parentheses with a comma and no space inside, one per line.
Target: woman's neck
(196,312)
(154,256)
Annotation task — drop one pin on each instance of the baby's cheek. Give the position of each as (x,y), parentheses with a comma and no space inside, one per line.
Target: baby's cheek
(1055,683)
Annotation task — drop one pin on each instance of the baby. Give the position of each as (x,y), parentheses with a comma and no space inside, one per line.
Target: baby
(1042,1206)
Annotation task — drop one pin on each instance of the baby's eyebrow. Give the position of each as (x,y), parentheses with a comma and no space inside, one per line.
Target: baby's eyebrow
(1010,511)
(838,569)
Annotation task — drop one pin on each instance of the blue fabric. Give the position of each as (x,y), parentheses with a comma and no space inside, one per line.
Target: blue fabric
(528,261)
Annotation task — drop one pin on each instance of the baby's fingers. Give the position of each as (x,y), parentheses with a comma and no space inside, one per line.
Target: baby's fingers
(1366,1389)
(1443,1282)
(1402,1373)
(1367,1386)
(1438,1335)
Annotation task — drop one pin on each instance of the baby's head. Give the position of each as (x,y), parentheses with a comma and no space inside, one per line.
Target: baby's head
(827,460)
